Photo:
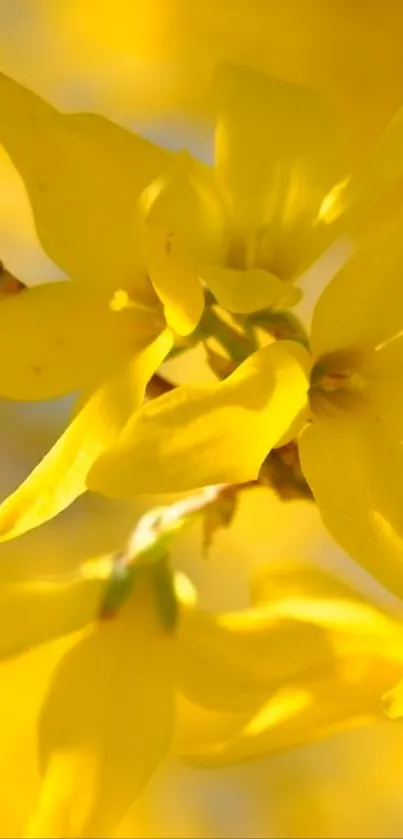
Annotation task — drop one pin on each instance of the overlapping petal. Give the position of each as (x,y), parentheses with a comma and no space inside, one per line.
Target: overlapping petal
(243,292)
(231,662)
(363,305)
(373,191)
(62,474)
(354,469)
(106,724)
(175,280)
(60,337)
(292,717)
(83,175)
(194,437)
(34,612)
(277,156)
(327,673)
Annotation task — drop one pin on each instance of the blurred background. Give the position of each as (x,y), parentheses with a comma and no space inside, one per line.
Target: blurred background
(147,64)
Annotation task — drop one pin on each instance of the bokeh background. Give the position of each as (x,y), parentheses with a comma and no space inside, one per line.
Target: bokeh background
(147,64)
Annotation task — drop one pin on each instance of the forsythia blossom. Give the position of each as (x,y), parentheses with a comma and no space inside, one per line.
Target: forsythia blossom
(344,401)
(310,658)
(162,252)
(258,214)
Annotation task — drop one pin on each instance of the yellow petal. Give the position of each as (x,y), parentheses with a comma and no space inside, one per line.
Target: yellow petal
(354,469)
(375,187)
(177,230)
(298,579)
(231,662)
(24,681)
(393,702)
(61,476)
(363,305)
(60,337)
(176,282)
(243,292)
(276,159)
(386,385)
(83,175)
(194,437)
(290,718)
(106,724)
(34,612)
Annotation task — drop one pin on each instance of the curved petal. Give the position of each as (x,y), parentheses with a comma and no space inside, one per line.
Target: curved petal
(298,579)
(231,662)
(176,282)
(83,175)
(181,227)
(375,186)
(276,158)
(386,385)
(106,725)
(292,717)
(24,682)
(38,611)
(60,337)
(194,437)
(355,471)
(363,304)
(62,474)
(343,670)
(244,292)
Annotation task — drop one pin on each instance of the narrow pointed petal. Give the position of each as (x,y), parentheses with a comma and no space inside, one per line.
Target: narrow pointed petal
(243,292)
(60,337)
(83,176)
(354,469)
(363,304)
(194,437)
(62,474)
(106,725)
(276,157)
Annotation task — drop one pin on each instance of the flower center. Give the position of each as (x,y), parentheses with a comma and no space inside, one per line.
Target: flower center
(339,383)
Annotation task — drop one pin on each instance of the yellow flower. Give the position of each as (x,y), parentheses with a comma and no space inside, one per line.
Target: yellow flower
(103,216)
(103,331)
(115,690)
(103,202)
(350,450)
(277,156)
(337,652)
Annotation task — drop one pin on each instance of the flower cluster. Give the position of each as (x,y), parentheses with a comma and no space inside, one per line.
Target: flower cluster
(161,253)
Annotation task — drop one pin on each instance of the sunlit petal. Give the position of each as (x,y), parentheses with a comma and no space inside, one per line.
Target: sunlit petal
(62,474)
(354,469)
(194,437)
(83,175)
